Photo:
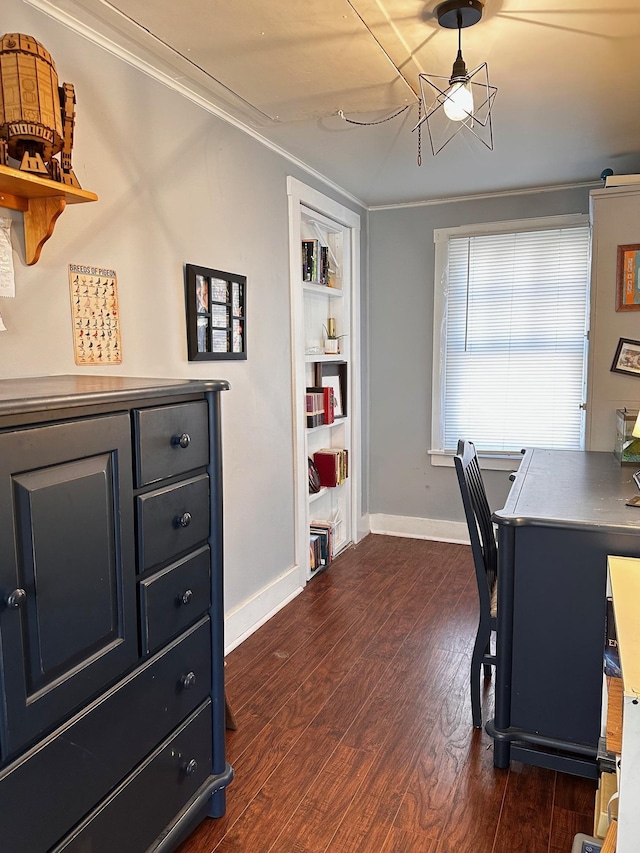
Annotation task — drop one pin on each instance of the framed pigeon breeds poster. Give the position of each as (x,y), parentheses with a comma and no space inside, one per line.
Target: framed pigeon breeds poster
(95,315)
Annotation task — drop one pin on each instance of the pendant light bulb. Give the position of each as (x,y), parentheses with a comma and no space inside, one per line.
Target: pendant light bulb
(458,103)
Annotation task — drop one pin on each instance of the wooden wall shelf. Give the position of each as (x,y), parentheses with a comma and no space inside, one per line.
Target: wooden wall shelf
(41,200)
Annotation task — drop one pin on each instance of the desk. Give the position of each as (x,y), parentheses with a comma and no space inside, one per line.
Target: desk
(565,513)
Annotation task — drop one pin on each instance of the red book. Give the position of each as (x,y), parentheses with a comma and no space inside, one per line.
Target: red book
(329,463)
(328,406)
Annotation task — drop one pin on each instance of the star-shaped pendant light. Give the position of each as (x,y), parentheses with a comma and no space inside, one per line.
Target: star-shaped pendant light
(465,99)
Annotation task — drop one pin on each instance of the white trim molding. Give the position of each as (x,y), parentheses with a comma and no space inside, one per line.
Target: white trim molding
(241,622)
(436,529)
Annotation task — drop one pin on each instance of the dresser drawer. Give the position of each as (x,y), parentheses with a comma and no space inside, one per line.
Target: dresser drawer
(76,766)
(170,440)
(174,598)
(172,520)
(140,809)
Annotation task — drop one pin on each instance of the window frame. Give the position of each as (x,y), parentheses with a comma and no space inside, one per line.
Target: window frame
(499,460)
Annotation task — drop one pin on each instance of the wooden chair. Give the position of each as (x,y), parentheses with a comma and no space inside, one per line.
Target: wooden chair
(485,560)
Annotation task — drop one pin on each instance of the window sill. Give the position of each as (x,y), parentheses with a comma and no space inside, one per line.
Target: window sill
(488,461)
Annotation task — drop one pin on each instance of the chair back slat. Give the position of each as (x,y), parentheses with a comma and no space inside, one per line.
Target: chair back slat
(478,517)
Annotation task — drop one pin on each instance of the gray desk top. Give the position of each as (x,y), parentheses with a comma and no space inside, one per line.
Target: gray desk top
(571,488)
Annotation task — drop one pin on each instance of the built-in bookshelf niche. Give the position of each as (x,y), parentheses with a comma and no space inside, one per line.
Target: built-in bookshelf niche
(324,285)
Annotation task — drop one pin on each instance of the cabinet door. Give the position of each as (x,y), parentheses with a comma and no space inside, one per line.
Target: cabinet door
(67,572)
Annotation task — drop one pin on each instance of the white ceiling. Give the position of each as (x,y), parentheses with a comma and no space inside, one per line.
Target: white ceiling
(568,102)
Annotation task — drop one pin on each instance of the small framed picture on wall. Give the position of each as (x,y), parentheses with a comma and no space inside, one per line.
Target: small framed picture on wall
(628,278)
(627,357)
(216,314)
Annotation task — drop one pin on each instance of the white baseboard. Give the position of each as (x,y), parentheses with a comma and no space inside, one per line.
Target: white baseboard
(437,529)
(251,614)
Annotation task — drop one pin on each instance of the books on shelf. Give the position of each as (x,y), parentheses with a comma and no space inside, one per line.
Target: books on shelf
(329,405)
(332,464)
(321,539)
(314,402)
(314,552)
(320,406)
(315,261)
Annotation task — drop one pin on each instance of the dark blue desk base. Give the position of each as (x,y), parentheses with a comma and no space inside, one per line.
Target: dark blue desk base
(566,512)
(518,745)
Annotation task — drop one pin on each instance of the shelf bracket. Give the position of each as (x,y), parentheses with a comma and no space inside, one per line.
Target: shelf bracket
(39,221)
(41,200)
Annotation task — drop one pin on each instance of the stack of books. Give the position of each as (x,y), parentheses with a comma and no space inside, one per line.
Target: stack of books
(315,408)
(333,465)
(320,406)
(320,544)
(315,262)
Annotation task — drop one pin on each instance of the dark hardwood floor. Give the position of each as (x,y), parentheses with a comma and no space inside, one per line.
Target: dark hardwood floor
(354,723)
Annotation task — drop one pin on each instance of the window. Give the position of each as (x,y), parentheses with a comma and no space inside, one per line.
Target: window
(510,342)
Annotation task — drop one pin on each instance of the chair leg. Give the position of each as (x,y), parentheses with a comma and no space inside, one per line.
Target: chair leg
(476,711)
(487,666)
(476,663)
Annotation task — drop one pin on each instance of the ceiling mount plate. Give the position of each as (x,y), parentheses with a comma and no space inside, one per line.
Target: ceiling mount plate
(459,13)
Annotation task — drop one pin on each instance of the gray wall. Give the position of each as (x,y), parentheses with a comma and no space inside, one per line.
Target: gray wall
(403,481)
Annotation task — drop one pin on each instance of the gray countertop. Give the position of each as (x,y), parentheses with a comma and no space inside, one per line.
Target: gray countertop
(572,488)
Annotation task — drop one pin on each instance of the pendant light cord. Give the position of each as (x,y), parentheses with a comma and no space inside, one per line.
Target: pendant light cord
(369,123)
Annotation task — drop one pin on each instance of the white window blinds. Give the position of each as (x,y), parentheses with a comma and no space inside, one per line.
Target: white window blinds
(513,348)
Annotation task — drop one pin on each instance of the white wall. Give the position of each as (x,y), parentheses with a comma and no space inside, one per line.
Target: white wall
(616,222)
(176,185)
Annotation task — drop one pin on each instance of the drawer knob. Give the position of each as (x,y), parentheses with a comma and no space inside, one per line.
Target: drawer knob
(183,520)
(186,596)
(191,767)
(188,681)
(16,599)
(183,440)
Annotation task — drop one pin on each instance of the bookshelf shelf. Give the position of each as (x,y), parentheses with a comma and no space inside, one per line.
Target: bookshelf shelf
(321,290)
(326,427)
(323,357)
(324,247)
